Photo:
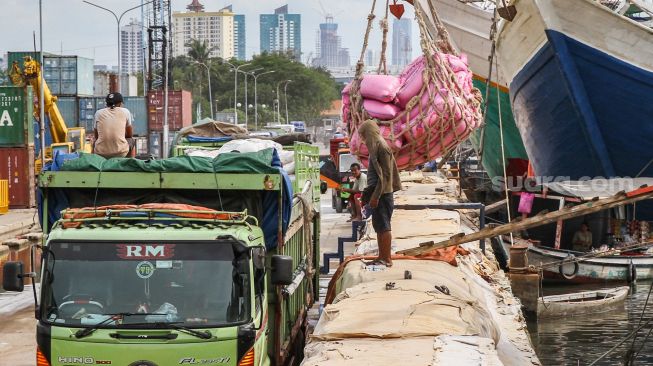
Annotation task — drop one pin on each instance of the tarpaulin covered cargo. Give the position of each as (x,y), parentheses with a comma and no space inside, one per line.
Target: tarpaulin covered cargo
(264,205)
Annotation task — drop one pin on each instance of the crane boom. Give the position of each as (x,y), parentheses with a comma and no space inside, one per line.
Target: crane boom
(32,75)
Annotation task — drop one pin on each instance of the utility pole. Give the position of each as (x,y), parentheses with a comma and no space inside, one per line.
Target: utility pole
(285,96)
(118,19)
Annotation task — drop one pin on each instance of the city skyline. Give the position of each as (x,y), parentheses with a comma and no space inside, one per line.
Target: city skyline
(98,38)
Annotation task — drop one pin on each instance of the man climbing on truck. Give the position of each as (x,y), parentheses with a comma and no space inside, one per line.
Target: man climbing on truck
(112,128)
(382,182)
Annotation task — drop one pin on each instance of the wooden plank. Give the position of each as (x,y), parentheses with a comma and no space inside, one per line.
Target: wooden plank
(619,199)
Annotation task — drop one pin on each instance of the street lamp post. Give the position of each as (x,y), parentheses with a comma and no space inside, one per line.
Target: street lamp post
(236,70)
(279,100)
(285,96)
(256,97)
(208,75)
(118,19)
(245,73)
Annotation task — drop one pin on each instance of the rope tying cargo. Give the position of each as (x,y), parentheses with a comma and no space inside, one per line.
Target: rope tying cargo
(442,112)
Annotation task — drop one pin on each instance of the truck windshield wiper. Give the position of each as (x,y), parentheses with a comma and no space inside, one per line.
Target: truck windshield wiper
(197,333)
(175,325)
(89,330)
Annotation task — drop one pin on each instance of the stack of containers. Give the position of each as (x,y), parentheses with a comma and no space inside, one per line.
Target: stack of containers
(17,145)
(179,116)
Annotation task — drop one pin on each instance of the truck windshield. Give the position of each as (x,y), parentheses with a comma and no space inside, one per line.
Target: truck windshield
(201,284)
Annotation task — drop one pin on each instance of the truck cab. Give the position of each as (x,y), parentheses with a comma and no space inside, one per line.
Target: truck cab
(152,279)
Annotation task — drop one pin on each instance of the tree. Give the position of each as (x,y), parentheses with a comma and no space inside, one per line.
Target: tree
(199,51)
(311,91)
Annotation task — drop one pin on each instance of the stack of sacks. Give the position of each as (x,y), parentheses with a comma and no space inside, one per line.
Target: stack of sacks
(419,127)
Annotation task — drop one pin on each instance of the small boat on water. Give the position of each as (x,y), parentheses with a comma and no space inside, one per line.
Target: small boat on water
(625,268)
(581,302)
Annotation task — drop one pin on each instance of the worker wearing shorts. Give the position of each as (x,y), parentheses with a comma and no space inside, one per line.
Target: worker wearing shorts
(382,181)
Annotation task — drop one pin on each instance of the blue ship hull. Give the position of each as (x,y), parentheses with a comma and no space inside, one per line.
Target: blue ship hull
(584,113)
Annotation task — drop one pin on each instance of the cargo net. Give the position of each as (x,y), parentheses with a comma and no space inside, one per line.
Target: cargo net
(425,112)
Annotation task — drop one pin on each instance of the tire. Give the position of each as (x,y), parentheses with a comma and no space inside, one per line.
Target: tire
(631,275)
(569,276)
(339,204)
(334,197)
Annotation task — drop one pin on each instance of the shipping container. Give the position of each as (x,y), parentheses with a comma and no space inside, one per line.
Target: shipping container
(180,114)
(155,147)
(20,55)
(16,128)
(68,109)
(136,105)
(141,145)
(87,108)
(68,75)
(17,166)
(155,143)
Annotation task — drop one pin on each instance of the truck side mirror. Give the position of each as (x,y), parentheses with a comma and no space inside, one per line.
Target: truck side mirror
(282,271)
(12,277)
(323,187)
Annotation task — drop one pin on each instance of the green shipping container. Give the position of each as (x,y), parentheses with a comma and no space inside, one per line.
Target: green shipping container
(19,55)
(16,127)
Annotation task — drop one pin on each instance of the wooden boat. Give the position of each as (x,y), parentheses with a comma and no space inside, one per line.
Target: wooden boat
(581,83)
(624,268)
(581,302)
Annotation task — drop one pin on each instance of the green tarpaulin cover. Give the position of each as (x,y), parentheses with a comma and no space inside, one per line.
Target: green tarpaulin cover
(252,163)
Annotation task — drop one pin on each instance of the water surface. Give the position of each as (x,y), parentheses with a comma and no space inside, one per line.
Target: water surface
(581,339)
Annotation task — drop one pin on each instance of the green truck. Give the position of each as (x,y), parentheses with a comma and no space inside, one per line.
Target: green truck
(144,276)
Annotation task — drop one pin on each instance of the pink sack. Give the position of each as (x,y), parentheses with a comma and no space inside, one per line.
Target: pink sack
(345,90)
(411,86)
(382,111)
(382,88)
(526,202)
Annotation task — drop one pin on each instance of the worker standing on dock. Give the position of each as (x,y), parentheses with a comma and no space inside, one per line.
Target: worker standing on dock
(382,182)
(113,126)
(360,182)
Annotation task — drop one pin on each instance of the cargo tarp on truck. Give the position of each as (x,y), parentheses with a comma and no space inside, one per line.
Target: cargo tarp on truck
(265,208)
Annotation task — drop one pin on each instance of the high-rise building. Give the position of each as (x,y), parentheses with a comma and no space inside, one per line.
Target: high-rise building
(329,52)
(215,28)
(402,49)
(281,32)
(131,47)
(240,37)
(371,58)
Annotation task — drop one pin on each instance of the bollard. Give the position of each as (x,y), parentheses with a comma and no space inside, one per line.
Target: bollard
(4,196)
(518,258)
(525,285)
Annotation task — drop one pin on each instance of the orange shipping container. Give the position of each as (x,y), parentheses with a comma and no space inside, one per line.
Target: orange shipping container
(179,109)
(17,166)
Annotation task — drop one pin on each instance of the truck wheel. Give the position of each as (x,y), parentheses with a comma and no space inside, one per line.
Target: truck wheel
(339,205)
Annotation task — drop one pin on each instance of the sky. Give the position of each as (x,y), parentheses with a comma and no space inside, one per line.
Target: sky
(77,28)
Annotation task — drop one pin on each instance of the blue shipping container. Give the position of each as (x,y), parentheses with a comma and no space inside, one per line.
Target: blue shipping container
(68,109)
(136,105)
